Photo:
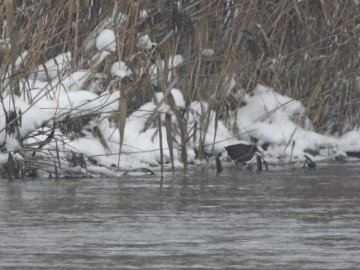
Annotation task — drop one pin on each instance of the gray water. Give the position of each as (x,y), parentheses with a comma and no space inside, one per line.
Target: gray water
(238,220)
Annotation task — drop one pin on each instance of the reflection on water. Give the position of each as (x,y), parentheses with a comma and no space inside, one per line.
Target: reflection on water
(238,220)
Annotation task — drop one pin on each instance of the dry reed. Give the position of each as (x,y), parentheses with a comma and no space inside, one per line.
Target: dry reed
(308,50)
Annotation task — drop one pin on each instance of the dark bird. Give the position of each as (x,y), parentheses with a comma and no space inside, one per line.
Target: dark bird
(241,152)
(354,154)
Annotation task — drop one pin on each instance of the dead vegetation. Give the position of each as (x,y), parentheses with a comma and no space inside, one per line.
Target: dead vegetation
(308,50)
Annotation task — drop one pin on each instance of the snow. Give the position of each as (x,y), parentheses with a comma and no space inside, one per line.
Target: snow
(106,40)
(178,98)
(99,57)
(57,94)
(174,61)
(21,59)
(267,117)
(120,69)
(53,68)
(207,52)
(76,80)
(145,43)
(143,14)
(271,118)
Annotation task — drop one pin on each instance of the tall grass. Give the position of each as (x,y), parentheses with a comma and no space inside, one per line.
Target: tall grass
(308,50)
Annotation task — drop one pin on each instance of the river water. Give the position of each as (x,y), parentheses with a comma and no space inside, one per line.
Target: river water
(294,219)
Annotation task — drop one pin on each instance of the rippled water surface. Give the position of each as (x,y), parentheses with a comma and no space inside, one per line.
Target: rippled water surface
(237,220)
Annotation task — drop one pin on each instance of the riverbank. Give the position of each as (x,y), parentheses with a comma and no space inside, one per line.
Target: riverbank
(143,88)
(275,123)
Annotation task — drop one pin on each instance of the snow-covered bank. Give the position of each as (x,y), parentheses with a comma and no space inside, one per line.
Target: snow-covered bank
(74,112)
(276,123)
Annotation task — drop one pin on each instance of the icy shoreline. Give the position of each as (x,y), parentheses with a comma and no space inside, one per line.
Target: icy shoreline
(276,123)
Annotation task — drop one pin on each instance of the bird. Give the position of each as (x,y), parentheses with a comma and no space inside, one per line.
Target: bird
(241,152)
